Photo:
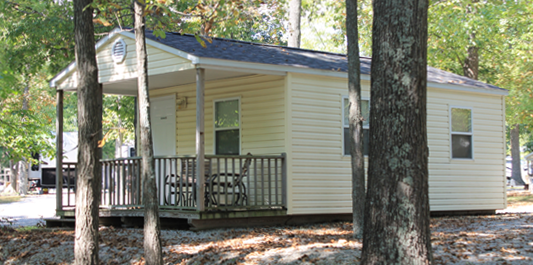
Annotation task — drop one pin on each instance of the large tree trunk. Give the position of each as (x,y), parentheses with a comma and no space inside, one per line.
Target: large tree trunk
(396,227)
(13,174)
(515,154)
(23,178)
(24,169)
(471,64)
(152,229)
(89,171)
(356,119)
(295,9)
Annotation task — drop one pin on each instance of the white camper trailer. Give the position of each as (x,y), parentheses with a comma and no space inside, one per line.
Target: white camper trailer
(45,172)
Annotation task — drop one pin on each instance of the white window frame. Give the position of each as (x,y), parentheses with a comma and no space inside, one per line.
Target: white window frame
(471,133)
(344,126)
(227,128)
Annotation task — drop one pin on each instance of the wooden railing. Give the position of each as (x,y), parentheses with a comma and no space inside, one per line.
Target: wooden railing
(121,182)
(244,182)
(69,182)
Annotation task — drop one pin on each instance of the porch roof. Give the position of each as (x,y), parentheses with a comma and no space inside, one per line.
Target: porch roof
(241,58)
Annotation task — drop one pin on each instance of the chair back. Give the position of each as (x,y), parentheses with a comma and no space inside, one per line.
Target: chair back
(246,165)
(188,167)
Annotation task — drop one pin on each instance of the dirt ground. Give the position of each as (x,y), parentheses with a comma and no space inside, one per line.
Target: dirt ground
(504,238)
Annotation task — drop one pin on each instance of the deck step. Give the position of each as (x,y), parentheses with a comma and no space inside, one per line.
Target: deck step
(60,222)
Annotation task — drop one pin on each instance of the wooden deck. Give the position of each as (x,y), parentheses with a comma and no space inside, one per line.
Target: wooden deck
(235,187)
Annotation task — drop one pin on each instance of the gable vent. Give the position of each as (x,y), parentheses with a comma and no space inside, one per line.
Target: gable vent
(118,51)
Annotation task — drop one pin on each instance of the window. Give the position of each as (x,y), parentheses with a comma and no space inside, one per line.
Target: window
(365,110)
(227,127)
(461,133)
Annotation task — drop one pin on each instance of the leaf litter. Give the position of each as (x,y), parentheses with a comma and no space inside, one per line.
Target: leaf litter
(504,238)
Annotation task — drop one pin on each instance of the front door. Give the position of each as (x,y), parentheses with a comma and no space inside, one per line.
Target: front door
(163,118)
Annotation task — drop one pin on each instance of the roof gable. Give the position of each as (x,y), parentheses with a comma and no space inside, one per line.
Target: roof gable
(161,59)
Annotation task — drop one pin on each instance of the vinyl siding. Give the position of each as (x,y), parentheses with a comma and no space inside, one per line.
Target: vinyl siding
(159,62)
(262,113)
(321,176)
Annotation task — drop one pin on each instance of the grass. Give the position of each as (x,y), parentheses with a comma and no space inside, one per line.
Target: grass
(519,198)
(9,199)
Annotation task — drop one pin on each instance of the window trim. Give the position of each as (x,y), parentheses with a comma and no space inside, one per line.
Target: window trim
(471,133)
(228,128)
(343,126)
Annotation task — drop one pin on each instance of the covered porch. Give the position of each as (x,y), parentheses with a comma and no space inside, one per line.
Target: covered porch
(191,185)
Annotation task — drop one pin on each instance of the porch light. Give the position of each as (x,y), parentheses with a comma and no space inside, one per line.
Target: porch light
(181,102)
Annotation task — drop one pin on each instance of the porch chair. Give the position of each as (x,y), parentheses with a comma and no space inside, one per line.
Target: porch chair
(230,184)
(185,185)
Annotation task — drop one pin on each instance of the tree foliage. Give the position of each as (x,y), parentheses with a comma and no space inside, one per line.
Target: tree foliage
(35,44)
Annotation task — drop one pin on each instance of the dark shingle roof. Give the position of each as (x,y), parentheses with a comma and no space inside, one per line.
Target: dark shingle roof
(278,55)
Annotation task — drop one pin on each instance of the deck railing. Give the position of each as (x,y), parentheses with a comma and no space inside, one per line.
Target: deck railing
(242,182)
(70,171)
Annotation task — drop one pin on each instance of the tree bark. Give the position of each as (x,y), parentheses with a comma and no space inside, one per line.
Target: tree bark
(24,169)
(152,227)
(356,119)
(471,64)
(23,178)
(515,155)
(13,174)
(295,9)
(89,171)
(396,227)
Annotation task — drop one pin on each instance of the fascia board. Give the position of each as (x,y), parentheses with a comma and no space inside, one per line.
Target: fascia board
(469,89)
(259,67)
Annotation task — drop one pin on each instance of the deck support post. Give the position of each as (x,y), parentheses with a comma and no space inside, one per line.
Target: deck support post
(200,151)
(59,152)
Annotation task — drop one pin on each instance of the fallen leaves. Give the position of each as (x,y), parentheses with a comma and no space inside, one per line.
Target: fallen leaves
(501,239)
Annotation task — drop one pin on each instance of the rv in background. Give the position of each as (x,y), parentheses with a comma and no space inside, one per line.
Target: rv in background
(44,173)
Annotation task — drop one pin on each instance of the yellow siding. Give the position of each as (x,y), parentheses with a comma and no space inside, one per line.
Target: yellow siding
(320,176)
(159,62)
(262,113)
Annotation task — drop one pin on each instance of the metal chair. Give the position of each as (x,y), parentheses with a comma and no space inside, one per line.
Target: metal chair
(229,184)
(178,188)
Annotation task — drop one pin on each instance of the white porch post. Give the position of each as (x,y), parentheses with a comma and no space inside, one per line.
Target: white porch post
(59,152)
(200,152)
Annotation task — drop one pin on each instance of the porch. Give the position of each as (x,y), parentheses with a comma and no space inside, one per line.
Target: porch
(234,186)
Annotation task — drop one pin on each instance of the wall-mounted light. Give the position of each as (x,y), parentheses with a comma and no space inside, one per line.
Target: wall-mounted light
(182,102)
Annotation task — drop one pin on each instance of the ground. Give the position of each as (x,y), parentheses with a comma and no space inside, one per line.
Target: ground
(504,238)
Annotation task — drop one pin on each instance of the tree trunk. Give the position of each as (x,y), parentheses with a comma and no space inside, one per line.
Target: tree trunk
(515,154)
(152,230)
(295,7)
(396,227)
(89,171)
(23,178)
(356,119)
(13,174)
(23,166)
(471,63)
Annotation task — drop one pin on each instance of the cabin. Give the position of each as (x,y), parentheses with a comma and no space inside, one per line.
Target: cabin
(246,133)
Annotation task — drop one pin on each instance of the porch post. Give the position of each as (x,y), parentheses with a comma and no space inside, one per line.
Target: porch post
(59,152)
(200,154)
